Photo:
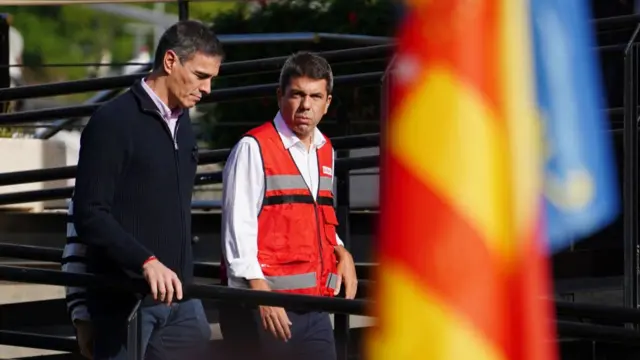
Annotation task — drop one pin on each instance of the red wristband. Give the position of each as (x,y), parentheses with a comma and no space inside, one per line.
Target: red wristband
(149,259)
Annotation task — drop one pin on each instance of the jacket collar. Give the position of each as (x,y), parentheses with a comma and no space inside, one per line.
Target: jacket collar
(144,101)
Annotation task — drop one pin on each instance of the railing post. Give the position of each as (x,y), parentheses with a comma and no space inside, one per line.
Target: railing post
(135,350)
(183,10)
(5,78)
(341,321)
(630,191)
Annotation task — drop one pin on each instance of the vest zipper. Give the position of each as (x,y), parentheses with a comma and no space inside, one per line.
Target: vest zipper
(315,210)
(318,224)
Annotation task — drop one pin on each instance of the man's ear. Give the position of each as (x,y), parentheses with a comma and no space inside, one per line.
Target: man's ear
(170,61)
(326,107)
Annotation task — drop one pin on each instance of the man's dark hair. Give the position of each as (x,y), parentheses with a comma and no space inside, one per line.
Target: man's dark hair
(306,64)
(186,38)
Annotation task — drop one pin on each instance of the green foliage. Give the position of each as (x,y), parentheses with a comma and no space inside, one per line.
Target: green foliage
(203,11)
(356,105)
(78,34)
(67,34)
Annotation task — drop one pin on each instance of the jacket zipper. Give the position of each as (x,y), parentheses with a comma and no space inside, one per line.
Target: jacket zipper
(176,161)
(176,157)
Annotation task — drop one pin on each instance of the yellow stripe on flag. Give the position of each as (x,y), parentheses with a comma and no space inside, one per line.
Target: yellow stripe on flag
(452,141)
(520,111)
(419,326)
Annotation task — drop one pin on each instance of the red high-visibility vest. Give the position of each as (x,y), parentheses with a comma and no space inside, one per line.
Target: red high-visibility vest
(296,234)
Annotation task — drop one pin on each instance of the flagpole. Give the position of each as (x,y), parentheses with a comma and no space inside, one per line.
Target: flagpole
(630,188)
(183,10)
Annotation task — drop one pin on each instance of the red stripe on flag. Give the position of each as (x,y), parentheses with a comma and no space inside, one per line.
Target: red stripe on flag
(443,252)
(531,316)
(459,35)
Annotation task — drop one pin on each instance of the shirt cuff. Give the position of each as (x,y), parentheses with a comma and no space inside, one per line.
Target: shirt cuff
(245,269)
(81,313)
(339,241)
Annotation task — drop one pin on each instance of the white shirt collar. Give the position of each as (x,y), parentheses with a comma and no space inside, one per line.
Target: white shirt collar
(290,139)
(162,107)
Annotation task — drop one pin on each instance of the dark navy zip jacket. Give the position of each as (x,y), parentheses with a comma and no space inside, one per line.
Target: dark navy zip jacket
(133,192)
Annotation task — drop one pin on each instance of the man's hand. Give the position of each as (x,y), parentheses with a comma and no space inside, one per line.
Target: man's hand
(163,282)
(346,273)
(84,335)
(274,319)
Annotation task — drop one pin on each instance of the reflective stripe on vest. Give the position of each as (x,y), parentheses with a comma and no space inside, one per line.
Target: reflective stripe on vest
(299,281)
(295,182)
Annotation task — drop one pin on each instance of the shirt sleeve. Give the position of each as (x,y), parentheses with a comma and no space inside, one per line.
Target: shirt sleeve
(104,146)
(243,188)
(333,166)
(74,261)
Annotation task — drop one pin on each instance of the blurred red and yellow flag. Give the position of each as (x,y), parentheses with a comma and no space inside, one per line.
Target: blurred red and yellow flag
(462,267)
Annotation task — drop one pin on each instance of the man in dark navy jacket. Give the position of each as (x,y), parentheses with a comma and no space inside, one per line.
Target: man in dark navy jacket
(132,200)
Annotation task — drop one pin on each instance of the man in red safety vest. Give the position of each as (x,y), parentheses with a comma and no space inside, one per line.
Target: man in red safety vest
(279,223)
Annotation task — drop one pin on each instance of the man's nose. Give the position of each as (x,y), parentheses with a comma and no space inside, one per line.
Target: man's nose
(305,103)
(205,87)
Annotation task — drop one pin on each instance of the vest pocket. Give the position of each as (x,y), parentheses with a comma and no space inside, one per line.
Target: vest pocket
(330,224)
(284,235)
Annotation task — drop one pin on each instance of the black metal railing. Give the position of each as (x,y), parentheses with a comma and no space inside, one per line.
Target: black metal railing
(206,157)
(235,93)
(209,270)
(226,69)
(224,293)
(337,306)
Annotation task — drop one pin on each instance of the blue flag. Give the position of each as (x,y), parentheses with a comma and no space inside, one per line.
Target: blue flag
(581,188)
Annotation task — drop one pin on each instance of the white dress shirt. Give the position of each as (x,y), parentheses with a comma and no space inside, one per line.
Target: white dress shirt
(242,194)
(169,116)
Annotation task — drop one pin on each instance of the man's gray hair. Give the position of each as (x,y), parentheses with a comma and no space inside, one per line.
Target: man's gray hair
(186,38)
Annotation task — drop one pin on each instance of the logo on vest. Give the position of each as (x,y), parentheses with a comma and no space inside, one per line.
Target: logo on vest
(327,170)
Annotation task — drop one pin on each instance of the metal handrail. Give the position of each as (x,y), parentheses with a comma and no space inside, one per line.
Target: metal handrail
(210,270)
(104,95)
(38,341)
(234,93)
(353,163)
(231,68)
(204,157)
(223,293)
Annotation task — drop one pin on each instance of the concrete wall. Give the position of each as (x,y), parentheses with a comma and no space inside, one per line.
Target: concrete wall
(31,154)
